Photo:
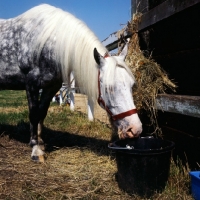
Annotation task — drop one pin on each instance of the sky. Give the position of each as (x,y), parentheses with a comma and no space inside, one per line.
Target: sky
(103,17)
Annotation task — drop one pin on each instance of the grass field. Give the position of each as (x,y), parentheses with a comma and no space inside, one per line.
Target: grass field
(78,163)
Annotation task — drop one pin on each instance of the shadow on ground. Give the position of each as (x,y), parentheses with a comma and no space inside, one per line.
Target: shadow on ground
(55,139)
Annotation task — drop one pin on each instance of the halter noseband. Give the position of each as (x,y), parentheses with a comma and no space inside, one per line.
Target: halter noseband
(102,102)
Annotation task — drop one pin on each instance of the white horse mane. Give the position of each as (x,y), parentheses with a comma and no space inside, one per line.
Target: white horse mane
(74,45)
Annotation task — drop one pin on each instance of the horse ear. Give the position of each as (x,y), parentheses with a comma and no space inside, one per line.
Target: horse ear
(100,60)
(124,51)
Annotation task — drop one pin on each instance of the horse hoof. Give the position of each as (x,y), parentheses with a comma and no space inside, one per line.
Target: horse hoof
(39,159)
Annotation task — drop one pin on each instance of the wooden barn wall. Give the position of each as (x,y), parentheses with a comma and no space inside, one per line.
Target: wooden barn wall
(175,44)
(154,3)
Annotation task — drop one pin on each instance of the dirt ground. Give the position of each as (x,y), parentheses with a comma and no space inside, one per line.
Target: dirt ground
(81,105)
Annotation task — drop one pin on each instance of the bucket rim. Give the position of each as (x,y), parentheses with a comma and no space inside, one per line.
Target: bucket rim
(126,150)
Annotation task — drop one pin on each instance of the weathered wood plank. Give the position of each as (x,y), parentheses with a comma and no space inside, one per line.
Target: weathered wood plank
(112,46)
(112,41)
(163,11)
(182,104)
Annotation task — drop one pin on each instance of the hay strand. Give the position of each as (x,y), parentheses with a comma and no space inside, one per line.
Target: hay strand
(151,79)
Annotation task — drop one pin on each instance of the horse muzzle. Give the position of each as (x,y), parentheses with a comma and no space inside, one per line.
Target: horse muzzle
(130,132)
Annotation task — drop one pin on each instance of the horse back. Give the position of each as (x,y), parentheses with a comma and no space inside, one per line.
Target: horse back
(18,66)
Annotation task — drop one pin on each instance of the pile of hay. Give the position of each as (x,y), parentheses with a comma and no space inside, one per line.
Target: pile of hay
(151,79)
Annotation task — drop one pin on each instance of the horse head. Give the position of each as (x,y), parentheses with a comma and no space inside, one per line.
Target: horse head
(115,82)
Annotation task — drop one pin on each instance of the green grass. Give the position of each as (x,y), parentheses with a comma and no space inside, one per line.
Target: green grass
(75,121)
(11,98)
(13,118)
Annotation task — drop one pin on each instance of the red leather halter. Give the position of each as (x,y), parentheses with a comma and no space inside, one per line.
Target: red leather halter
(102,102)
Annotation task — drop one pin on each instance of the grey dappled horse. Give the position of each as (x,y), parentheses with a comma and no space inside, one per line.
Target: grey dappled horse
(40,48)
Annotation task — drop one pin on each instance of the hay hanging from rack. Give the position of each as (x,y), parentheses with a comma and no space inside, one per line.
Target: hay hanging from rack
(151,79)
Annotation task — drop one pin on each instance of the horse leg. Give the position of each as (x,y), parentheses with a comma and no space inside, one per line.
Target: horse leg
(34,117)
(40,141)
(72,101)
(45,100)
(37,113)
(90,110)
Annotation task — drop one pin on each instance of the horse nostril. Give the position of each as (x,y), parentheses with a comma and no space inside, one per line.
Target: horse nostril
(129,130)
(130,133)
(134,132)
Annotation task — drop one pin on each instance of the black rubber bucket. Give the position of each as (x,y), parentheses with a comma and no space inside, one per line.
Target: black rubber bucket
(143,164)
